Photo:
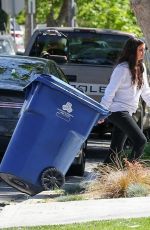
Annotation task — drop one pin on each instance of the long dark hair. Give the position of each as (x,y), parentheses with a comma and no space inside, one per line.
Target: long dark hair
(129,54)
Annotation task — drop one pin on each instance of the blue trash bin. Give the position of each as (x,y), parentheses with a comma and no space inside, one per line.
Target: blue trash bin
(55,121)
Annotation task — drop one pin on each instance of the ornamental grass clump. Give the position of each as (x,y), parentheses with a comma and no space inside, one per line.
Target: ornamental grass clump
(121,179)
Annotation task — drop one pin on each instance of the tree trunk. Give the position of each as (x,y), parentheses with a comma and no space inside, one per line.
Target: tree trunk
(60,20)
(3,21)
(141,9)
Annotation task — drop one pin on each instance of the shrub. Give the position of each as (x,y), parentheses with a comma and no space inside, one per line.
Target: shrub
(121,180)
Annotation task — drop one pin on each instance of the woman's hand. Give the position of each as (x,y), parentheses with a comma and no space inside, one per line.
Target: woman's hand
(101,121)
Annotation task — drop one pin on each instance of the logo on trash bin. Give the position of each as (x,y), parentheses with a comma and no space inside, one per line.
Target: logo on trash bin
(67,107)
(65,112)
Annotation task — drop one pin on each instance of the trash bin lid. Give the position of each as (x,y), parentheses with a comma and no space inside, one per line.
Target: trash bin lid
(53,82)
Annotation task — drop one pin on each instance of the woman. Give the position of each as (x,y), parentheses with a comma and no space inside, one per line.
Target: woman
(128,82)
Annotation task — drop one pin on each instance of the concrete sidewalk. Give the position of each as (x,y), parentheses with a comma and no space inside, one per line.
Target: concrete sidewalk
(30,213)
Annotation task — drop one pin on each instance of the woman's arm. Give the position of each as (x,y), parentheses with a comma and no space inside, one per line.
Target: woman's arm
(115,82)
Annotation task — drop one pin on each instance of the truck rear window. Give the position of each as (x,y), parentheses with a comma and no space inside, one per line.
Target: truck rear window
(81,47)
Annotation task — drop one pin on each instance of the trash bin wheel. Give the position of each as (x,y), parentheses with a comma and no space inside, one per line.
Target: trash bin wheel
(52,179)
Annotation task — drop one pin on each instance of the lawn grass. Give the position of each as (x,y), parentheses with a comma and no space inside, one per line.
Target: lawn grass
(121,224)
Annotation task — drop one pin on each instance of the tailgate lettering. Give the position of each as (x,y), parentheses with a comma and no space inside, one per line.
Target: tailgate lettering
(90,89)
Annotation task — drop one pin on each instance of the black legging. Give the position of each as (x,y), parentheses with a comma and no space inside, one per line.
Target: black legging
(125,126)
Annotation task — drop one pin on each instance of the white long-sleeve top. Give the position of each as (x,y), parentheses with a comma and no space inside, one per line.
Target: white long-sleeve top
(121,94)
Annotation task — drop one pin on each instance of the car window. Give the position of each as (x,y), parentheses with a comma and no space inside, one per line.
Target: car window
(54,45)
(57,72)
(95,48)
(5,47)
(83,47)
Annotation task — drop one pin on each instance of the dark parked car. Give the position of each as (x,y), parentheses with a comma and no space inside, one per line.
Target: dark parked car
(15,73)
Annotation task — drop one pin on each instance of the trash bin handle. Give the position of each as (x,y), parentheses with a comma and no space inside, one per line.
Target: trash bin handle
(53,84)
